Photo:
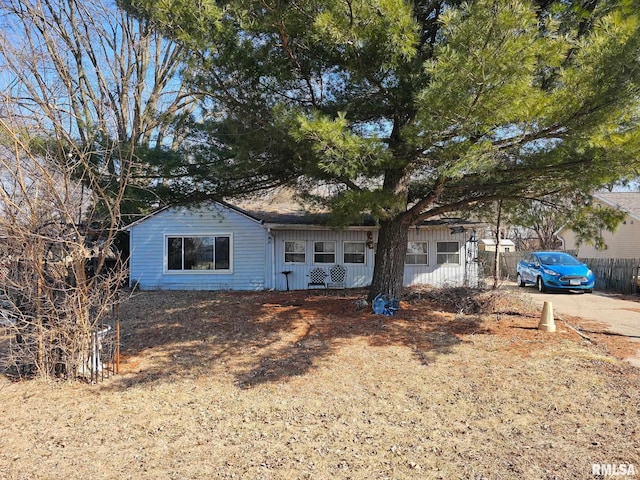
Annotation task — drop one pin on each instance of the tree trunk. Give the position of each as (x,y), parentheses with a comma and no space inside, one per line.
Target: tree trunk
(388,271)
(496,255)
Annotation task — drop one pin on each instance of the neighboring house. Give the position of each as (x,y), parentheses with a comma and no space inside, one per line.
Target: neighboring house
(217,246)
(489,245)
(624,242)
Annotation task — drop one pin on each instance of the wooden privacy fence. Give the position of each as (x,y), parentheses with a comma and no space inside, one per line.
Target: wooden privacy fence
(508,263)
(619,275)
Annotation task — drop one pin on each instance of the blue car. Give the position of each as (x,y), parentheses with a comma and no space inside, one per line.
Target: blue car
(554,271)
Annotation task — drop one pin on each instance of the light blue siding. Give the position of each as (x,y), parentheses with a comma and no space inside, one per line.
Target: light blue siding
(249,261)
(258,253)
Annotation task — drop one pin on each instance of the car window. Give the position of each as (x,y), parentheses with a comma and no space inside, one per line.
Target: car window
(558,259)
(565,259)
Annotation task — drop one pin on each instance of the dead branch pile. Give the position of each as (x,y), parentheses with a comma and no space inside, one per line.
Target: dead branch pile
(465,300)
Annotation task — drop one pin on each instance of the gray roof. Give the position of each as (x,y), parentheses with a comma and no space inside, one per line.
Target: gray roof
(302,218)
(292,217)
(305,218)
(283,208)
(628,202)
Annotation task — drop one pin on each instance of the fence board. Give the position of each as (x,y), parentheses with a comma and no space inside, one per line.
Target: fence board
(618,275)
(508,263)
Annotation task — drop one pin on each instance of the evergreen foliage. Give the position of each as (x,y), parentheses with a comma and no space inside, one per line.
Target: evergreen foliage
(408,110)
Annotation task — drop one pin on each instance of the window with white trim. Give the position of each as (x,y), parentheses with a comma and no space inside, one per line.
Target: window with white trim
(295,251)
(203,252)
(448,253)
(417,253)
(354,252)
(324,252)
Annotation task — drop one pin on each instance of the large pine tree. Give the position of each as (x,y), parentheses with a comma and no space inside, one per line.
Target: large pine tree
(409,109)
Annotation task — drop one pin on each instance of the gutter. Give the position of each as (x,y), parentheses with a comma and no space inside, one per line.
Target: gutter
(617,206)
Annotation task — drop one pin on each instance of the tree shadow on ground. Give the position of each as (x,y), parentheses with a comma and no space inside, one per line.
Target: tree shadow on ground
(263,337)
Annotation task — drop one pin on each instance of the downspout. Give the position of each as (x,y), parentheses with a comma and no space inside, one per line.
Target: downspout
(273,258)
(557,234)
(465,274)
(131,281)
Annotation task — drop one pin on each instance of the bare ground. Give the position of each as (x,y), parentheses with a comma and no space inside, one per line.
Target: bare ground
(290,386)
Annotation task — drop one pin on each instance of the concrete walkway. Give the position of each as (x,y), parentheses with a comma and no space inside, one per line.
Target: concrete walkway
(620,316)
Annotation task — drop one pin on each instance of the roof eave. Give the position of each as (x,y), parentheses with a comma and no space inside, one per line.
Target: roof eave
(631,214)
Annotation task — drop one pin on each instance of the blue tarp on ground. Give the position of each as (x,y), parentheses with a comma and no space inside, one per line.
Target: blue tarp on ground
(385,305)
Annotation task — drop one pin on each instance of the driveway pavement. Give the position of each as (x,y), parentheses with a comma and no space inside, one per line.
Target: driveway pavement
(619,315)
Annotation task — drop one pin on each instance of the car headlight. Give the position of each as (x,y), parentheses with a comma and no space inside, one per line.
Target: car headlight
(589,273)
(550,272)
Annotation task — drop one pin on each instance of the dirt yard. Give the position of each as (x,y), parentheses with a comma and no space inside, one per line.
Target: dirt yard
(290,386)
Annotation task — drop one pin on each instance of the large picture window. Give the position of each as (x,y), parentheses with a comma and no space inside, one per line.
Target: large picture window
(295,251)
(417,253)
(324,252)
(199,253)
(354,252)
(448,253)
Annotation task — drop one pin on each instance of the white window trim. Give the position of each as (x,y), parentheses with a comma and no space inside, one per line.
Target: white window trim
(284,252)
(418,264)
(364,243)
(165,258)
(335,252)
(457,252)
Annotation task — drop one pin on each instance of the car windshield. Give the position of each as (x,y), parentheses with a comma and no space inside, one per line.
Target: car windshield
(558,259)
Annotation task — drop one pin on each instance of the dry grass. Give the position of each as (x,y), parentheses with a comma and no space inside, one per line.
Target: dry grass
(285,386)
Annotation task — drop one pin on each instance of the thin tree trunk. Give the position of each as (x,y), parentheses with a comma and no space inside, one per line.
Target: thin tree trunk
(496,257)
(388,270)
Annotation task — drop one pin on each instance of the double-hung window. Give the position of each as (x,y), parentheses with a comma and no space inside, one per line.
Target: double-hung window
(295,251)
(202,252)
(417,253)
(448,253)
(324,252)
(354,252)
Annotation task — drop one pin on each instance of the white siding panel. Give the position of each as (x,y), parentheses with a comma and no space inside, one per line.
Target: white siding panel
(361,275)
(249,242)
(440,275)
(357,275)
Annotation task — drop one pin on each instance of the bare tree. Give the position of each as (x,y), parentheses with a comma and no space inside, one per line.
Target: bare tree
(84,87)
(60,278)
(96,76)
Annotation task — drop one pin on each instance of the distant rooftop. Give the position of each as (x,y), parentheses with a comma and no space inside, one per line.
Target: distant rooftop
(281,207)
(628,202)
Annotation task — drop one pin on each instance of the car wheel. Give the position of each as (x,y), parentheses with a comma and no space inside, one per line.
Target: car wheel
(520,281)
(540,285)
(588,291)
